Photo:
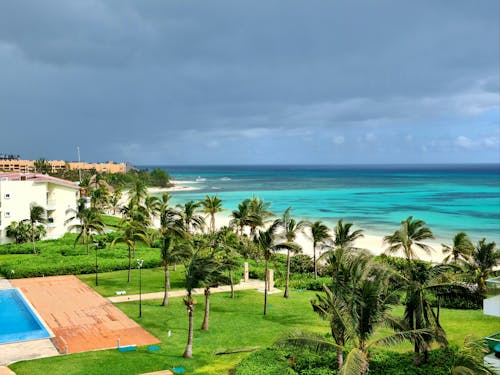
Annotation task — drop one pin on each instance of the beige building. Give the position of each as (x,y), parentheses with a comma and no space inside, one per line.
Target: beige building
(18,191)
(25,166)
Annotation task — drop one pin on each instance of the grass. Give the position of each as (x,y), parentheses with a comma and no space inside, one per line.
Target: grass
(234,324)
(153,280)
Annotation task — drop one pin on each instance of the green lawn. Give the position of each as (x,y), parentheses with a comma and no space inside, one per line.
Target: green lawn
(234,324)
(153,280)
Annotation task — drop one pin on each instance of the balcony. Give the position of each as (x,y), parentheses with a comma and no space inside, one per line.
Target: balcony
(51,205)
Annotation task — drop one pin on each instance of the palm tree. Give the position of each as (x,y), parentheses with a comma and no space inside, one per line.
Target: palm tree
(114,200)
(90,223)
(227,241)
(320,235)
(152,205)
(241,216)
(172,233)
(259,214)
(412,232)
(343,237)
(212,205)
(37,215)
(461,249)
(418,312)
(133,231)
(290,229)
(192,220)
(20,232)
(138,192)
(483,260)
(197,271)
(355,306)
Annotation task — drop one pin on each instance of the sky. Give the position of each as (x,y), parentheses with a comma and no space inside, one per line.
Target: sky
(156,82)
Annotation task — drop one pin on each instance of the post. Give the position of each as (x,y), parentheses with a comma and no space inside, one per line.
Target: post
(139,265)
(245,272)
(96,267)
(270,280)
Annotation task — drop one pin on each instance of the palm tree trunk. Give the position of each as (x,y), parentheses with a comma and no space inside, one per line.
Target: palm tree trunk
(188,352)
(204,325)
(33,237)
(287,292)
(340,355)
(212,222)
(265,288)
(314,261)
(129,264)
(167,286)
(232,283)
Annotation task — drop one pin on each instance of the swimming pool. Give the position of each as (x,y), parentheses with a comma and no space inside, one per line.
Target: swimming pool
(17,321)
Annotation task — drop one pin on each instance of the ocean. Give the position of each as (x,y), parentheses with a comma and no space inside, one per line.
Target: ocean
(449,198)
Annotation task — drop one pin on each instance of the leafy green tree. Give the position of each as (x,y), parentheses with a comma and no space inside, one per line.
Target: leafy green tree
(20,232)
(198,270)
(212,205)
(343,237)
(290,229)
(43,166)
(90,222)
(37,215)
(159,177)
(461,249)
(320,235)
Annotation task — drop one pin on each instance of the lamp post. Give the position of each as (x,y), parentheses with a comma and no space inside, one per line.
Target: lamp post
(96,246)
(139,265)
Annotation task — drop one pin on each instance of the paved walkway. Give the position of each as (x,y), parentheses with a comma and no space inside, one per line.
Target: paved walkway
(80,318)
(250,285)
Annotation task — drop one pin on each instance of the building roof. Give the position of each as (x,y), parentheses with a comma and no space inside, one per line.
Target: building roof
(36,177)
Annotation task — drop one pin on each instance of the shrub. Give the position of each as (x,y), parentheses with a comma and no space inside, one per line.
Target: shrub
(301,264)
(271,361)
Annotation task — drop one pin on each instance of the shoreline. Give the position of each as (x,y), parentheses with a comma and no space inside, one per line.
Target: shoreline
(371,242)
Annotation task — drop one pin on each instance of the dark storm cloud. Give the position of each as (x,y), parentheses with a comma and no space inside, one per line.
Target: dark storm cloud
(232,81)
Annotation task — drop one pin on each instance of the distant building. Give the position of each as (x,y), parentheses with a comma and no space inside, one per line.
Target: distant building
(24,166)
(18,191)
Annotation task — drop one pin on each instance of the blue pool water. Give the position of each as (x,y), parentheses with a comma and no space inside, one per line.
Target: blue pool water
(17,320)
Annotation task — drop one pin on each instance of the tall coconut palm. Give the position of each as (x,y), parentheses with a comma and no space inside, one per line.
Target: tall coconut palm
(198,270)
(138,192)
(211,206)
(417,314)
(152,205)
(38,214)
(227,241)
(411,233)
(320,235)
(355,306)
(133,232)
(290,228)
(173,247)
(343,237)
(240,216)
(461,249)
(114,199)
(481,263)
(259,214)
(192,220)
(90,223)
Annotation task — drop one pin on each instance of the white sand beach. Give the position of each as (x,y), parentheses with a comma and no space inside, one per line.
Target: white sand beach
(373,243)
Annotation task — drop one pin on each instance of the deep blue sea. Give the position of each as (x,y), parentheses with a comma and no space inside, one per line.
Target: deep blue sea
(449,198)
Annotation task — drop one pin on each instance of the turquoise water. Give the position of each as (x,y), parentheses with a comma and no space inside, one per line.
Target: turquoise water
(17,321)
(376,198)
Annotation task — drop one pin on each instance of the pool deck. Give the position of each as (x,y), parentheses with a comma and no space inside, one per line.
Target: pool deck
(79,317)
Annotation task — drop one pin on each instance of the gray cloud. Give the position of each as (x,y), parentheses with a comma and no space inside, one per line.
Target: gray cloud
(225,81)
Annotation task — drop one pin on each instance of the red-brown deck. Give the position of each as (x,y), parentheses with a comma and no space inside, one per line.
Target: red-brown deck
(80,317)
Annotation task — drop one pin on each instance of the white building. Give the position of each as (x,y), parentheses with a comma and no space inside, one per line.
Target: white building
(18,191)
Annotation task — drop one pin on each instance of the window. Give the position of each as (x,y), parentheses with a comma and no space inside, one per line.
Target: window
(6,196)
(7,214)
